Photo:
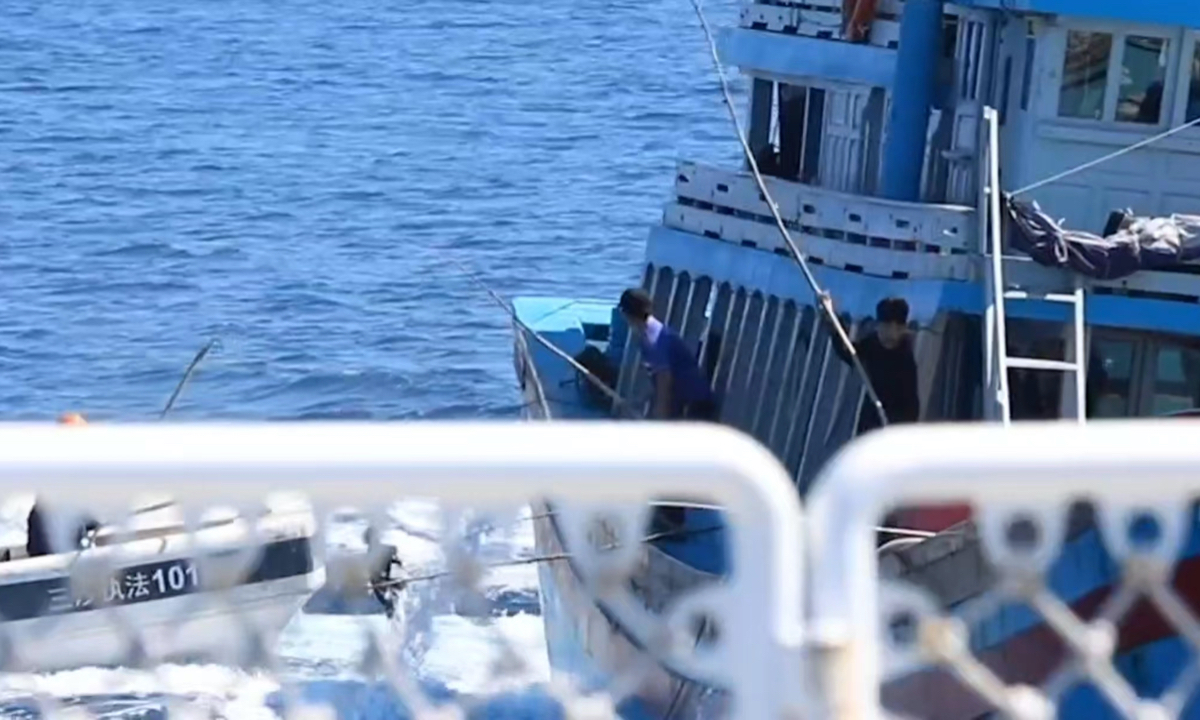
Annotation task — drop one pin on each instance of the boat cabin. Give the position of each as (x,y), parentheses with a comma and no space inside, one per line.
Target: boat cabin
(887,197)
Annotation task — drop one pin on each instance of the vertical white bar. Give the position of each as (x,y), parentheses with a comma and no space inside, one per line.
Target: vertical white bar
(789,378)
(812,410)
(756,411)
(990,297)
(992,121)
(809,353)
(1082,356)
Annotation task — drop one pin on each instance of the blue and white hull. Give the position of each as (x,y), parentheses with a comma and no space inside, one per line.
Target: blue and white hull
(585,641)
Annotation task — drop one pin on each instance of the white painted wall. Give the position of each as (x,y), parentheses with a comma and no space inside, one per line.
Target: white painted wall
(1159,179)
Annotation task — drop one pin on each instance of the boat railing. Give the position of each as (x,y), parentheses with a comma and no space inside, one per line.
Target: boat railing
(822,19)
(807,599)
(875,235)
(659,578)
(870,235)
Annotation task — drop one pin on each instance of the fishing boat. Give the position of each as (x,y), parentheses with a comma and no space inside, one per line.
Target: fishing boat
(925,150)
(190,596)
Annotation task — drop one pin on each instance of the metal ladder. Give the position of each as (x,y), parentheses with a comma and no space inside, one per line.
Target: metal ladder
(996,294)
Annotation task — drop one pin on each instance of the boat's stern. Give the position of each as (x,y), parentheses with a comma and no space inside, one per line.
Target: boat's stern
(588,331)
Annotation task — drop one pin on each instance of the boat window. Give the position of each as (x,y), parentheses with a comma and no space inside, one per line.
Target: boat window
(814,124)
(1030,56)
(1110,378)
(1193,97)
(793,110)
(1143,72)
(1085,75)
(1176,384)
(1035,394)
(949,36)
(1005,89)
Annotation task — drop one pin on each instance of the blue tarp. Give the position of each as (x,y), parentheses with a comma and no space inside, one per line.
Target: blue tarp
(1129,245)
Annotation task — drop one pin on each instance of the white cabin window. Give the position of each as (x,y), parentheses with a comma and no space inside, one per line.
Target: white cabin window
(1143,74)
(1193,89)
(1114,77)
(1175,384)
(1085,75)
(1030,55)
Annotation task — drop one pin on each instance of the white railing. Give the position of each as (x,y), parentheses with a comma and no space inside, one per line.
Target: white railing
(597,476)
(821,20)
(866,234)
(876,635)
(839,229)
(809,625)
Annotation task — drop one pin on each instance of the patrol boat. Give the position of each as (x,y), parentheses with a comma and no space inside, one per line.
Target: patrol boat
(189,596)
(920,149)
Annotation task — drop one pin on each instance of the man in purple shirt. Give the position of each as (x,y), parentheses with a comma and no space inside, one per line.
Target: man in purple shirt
(681,390)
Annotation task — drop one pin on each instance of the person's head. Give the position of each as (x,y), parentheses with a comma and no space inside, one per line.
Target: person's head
(71,418)
(891,321)
(636,306)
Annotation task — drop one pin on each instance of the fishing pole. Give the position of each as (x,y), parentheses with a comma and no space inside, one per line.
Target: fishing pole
(91,534)
(619,402)
(899,532)
(187,375)
(533,560)
(401,583)
(824,299)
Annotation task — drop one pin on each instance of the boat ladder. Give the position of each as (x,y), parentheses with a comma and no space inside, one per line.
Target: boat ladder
(997,292)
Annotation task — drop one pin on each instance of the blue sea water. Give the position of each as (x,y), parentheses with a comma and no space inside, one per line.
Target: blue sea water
(296,179)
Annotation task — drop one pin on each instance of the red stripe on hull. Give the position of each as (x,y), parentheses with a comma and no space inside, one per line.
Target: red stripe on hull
(930,518)
(1031,656)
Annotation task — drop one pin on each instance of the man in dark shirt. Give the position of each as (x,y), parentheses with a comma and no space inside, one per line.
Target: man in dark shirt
(887,356)
(681,391)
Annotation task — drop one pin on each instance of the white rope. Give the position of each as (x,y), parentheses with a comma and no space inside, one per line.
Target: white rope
(1111,156)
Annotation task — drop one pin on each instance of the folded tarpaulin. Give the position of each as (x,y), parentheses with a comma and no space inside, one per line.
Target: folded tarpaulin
(1135,243)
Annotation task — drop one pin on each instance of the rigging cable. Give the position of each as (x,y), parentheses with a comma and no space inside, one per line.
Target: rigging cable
(550,557)
(823,296)
(1103,159)
(401,583)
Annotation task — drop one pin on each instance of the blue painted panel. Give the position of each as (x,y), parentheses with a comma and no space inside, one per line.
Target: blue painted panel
(1160,12)
(857,293)
(913,94)
(778,275)
(617,337)
(555,314)
(560,321)
(799,56)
